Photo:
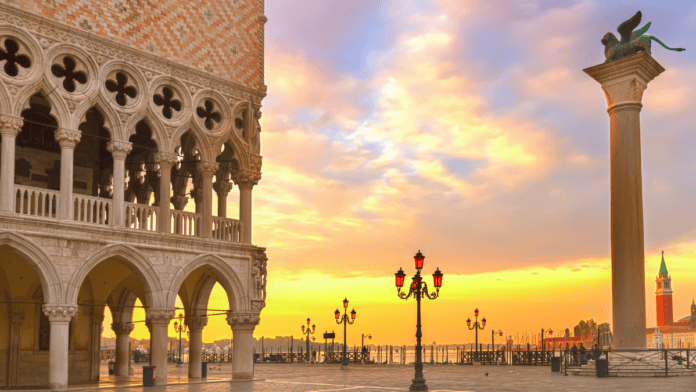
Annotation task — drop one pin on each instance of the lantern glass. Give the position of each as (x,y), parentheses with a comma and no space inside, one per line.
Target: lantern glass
(345,303)
(307,321)
(313,327)
(303,328)
(550,332)
(437,278)
(419,260)
(476,312)
(352,314)
(176,324)
(337,314)
(501,333)
(483,322)
(400,276)
(468,322)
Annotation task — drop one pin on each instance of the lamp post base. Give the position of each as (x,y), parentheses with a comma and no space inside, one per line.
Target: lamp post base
(344,367)
(418,385)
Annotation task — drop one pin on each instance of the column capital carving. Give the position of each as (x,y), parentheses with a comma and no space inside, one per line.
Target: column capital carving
(67,138)
(119,149)
(222,187)
(122,328)
(246,178)
(179,202)
(196,323)
(159,315)
(255,163)
(207,169)
(166,159)
(625,80)
(243,321)
(10,125)
(16,317)
(59,313)
(97,319)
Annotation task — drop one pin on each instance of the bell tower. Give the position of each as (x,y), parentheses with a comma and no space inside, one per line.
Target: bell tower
(664,295)
(693,314)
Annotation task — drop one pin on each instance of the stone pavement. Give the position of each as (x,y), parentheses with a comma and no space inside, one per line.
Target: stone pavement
(386,378)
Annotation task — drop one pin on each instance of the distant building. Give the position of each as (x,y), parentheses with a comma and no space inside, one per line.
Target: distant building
(670,334)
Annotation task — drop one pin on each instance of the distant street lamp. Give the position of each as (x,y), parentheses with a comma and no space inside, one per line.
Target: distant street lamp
(418,289)
(180,327)
(476,327)
(550,332)
(309,332)
(363,338)
(345,320)
(499,332)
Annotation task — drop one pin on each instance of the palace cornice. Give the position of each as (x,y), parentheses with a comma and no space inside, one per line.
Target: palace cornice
(50,31)
(32,226)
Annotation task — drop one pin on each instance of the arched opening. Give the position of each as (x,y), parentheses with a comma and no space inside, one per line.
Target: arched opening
(226,196)
(187,185)
(24,329)
(142,180)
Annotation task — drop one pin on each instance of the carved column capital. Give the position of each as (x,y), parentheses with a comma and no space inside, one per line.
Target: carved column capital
(179,202)
(159,315)
(16,317)
(59,313)
(246,178)
(119,149)
(243,321)
(255,163)
(196,323)
(166,159)
(67,138)
(97,319)
(222,187)
(10,125)
(207,169)
(122,328)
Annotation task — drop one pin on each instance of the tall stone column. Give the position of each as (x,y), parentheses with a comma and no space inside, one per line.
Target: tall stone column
(159,323)
(246,179)
(243,325)
(59,316)
(122,332)
(16,319)
(119,151)
(222,188)
(9,128)
(624,82)
(196,325)
(97,329)
(207,171)
(67,139)
(166,161)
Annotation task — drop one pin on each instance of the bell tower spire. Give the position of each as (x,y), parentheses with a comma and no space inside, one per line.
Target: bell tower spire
(664,295)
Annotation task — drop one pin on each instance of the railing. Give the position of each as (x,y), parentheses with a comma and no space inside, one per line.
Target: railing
(227,229)
(186,223)
(92,209)
(649,361)
(142,217)
(36,201)
(216,358)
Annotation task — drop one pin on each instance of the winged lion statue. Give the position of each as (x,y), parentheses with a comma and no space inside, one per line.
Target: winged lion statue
(631,42)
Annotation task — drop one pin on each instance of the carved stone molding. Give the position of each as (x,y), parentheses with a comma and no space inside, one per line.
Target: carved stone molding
(97,319)
(10,125)
(196,323)
(222,187)
(255,163)
(160,316)
(122,328)
(119,149)
(166,159)
(67,138)
(257,305)
(243,321)
(246,178)
(259,272)
(59,313)
(207,169)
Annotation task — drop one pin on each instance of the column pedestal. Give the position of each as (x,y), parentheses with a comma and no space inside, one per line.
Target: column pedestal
(243,325)
(624,82)
(59,316)
(159,323)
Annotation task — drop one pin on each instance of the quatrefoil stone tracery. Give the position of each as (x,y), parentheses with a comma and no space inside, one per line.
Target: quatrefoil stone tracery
(68,72)
(12,58)
(208,114)
(167,101)
(121,88)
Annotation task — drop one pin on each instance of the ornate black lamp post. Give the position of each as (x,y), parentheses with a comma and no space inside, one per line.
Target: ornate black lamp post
(499,332)
(418,289)
(308,332)
(476,327)
(345,320)
(180,327)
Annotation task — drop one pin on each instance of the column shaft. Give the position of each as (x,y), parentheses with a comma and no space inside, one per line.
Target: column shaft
(159,323)
(9,128)
(119,213)
(67,139)
(245,211)
(58,356)
(243,349)
(164,225)
(122,355)
(195,352)
(16,319)
(207,171)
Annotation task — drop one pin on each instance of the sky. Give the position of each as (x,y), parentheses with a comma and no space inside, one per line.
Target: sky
(466,130)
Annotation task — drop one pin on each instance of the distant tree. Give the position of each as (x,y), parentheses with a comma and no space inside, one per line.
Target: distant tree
(585,328)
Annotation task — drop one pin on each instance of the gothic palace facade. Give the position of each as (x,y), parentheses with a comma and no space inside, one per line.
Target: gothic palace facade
(122,123)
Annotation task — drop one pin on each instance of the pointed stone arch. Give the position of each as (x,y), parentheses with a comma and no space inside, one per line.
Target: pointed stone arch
(224,274)
(159,134)
(111,118)
(202,141)
(59,108)
(40,261)
(131,257)
(5,99)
